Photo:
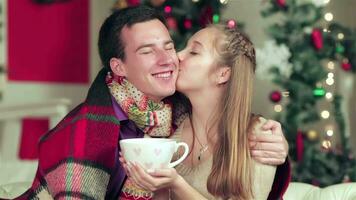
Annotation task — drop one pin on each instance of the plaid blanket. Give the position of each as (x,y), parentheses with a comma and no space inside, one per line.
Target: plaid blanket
(77,157)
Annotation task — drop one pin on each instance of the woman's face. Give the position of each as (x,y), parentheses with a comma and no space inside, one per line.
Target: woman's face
(197,62)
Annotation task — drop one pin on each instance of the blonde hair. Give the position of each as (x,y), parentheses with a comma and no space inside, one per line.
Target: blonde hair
(232,172)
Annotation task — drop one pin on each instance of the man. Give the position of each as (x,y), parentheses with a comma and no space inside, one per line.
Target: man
(79,158)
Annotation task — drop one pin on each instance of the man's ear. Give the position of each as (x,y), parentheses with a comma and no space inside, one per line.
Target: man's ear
(117,67)
(223,74)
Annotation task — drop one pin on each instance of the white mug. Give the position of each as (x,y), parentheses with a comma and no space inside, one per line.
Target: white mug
(152,153)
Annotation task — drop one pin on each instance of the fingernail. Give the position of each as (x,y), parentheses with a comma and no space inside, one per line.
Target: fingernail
(150,171)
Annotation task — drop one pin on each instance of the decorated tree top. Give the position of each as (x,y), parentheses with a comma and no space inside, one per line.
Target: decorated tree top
(184,17)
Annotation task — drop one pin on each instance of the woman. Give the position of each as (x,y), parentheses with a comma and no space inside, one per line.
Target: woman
(216,75)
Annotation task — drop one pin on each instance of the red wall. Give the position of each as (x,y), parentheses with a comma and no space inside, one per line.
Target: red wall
(48,42)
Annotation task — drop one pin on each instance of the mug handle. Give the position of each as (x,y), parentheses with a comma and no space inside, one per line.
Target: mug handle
(186,151)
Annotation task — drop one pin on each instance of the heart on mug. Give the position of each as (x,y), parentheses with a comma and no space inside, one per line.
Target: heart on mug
(158,151)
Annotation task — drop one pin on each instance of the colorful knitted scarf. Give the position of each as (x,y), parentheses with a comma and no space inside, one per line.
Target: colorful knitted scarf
(154,119)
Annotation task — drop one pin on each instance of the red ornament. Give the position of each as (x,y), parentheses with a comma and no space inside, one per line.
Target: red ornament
(300,146)
(172,23)
(317,38)
(231,24)
(281,3)
(346,66)
(275,96)
(188,24)
(167,9)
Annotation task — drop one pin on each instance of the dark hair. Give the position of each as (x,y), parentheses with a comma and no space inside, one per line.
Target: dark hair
(110,43)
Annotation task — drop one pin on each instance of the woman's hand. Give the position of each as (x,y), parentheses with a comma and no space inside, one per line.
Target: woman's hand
(152,180)
(160,180)
(124,164)
(269,149)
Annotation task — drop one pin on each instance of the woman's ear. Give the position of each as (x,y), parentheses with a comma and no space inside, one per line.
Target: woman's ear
(223,75)
(117,67)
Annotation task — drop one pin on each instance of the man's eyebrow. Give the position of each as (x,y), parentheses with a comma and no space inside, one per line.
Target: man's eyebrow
(151,45)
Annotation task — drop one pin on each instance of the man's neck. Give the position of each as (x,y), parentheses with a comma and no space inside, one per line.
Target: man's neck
(155,99)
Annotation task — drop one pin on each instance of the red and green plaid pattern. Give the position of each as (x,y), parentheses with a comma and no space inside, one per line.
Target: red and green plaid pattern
(77,156)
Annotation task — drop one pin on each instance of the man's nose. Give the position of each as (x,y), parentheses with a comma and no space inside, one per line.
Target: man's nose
(166,58)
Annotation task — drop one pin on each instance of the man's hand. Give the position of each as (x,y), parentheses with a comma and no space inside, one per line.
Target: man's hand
(269,149)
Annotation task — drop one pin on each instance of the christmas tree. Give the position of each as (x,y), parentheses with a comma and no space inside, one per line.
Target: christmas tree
(311,48)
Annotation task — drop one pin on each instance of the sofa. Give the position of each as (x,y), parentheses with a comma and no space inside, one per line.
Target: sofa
(303,191)
(296,191)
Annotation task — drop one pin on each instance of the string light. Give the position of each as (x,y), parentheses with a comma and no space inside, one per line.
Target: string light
(331,65)
(224,1)
(285,94)
(330,81)
(339,48)
(326,1)
(319,92)
(278,108)
(329,95)
(195,1)
(325,114)
(330,75)
(216,18)
(328,16)
(330,132)
(325,30)
(340,36)
(312,135)
(326,144)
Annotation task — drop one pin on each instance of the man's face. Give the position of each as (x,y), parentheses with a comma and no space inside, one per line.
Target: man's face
(151,63)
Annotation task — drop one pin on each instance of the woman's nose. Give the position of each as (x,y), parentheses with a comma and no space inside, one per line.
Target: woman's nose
(180,56)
